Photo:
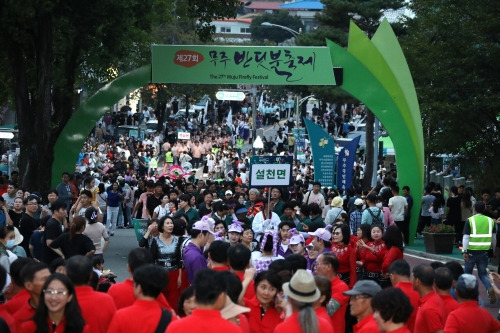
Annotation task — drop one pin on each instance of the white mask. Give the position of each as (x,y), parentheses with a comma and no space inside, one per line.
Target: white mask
(379,205)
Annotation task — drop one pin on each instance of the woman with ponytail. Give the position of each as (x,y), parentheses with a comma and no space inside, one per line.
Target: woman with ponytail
(302,293)
(74,242)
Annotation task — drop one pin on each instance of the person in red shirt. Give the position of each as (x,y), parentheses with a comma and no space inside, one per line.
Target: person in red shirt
(361,296)
(399,274)
(239,260)
(145,314)
(346,254)
(443,279)
(327,265)
(97,308)
(468,316)
(263,316)
(16,294)
(33,275)
(430,314)
(302,293)
(58,310)
(123,292)
(393,239)
(325,288)
(210,291)
(4,314)
(217,255)
(373,255)
(391,310)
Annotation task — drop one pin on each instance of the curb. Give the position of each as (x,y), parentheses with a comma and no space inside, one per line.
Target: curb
(443,258)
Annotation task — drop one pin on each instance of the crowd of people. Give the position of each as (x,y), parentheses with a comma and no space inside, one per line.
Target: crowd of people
(218,255)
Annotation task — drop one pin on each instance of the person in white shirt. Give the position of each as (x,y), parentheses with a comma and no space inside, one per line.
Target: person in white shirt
(265,220)
(315,196)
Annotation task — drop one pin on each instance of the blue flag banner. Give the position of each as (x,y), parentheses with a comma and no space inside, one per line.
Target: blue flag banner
(323,151)
(299,134)
(346,164)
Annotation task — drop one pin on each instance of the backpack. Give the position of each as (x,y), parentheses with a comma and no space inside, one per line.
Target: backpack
(376,219)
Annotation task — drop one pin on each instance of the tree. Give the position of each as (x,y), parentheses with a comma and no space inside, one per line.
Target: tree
(275,34)
(453,49)
(49,47)
(334,25)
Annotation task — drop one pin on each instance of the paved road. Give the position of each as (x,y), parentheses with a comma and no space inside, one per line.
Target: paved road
(115,257)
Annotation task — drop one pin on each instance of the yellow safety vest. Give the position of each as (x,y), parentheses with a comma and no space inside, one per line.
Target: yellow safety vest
(481,232)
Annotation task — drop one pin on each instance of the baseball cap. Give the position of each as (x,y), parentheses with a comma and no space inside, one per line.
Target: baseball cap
(296,237)
(202,226)
(241,210)
(358,202)
(364,287)
(466,281)
(229,192)
(235,227)
(322,233)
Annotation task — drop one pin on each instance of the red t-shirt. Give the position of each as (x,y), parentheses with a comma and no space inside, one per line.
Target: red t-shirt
(430,315)
(450,304)
(393,254)
(338,318)
(321,313)
(469,317)
(366,325)
(30,327)
(220,268)
(259,324)
(9,320)
(372,261)
(123,295)
(250,293)
(403,329)
(407,288)
(142,316)
(202,321)
(291,325)
(17,301)
(347,261)
(97,308)
(23,314)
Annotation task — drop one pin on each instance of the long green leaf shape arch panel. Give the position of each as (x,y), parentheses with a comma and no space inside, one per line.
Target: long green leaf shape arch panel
(369,77)
(76,131)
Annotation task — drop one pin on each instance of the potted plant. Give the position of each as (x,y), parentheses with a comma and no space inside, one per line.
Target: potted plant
(439,238)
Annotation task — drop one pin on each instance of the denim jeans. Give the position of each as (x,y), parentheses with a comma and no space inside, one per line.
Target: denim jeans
(112,219)
(481,260)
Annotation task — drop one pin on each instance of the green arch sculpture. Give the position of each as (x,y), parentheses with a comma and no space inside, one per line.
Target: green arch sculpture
(374,71)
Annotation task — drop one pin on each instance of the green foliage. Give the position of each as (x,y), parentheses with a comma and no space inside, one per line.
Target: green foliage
(335,19)
(204,12)
(275,34)
(453,49)
(334,25)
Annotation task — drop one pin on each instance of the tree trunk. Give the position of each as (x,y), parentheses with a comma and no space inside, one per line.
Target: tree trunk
(370,153)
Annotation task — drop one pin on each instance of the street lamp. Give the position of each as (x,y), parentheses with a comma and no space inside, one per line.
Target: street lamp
(293,32)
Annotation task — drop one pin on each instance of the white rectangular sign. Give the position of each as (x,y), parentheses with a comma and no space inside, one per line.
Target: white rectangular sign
(270,175)
(183,135)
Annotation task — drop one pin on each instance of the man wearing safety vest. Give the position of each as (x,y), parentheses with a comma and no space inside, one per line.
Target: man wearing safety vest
(477,240)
